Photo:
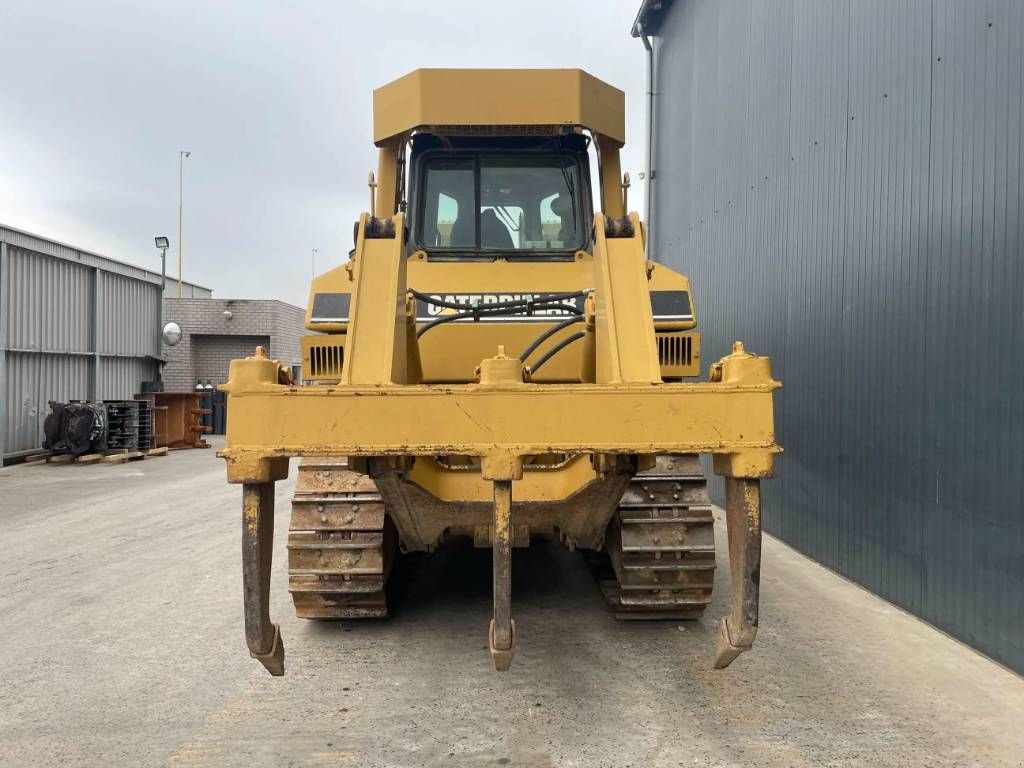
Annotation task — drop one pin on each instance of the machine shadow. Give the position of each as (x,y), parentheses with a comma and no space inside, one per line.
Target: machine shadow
(455,581)
(459,575)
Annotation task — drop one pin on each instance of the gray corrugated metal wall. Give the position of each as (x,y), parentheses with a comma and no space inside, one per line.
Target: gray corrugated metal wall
(73,325)
(842,181)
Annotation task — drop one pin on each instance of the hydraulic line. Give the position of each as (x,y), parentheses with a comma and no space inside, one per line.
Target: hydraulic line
(556,349)
(547,335)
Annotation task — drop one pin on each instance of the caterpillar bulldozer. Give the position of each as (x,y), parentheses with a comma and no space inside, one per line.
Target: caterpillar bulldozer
(499,360)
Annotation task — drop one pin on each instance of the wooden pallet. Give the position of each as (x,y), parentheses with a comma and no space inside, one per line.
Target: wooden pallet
(119,457)
(122,456)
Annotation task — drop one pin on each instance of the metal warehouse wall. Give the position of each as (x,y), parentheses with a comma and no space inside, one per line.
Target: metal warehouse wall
(73,325)
(842,181)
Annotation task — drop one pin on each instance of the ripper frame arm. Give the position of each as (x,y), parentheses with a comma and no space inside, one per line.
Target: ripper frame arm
(730,418)
(378,410)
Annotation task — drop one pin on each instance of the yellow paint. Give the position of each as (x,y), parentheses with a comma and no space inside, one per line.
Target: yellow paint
(624,325)
(451,398)
(439,98)
(612,202)
(452,352)
(376,338)
(536,484)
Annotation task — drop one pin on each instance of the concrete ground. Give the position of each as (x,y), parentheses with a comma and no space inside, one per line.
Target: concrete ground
(122,645)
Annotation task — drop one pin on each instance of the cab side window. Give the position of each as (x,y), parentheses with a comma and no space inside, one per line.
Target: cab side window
(448,220)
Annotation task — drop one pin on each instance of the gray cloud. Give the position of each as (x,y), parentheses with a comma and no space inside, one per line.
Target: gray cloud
(273,100)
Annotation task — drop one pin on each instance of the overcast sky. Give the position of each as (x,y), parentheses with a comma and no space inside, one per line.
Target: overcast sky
(274,102)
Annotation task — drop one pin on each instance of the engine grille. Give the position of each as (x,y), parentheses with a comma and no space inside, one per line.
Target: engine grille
(678,354)
(322,357)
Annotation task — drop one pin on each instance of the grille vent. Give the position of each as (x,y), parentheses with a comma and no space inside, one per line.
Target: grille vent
(678,353)
(326,361)
(675,350)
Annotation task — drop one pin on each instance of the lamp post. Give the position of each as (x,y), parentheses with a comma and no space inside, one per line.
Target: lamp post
(182,154)
(313,261)
(162,244)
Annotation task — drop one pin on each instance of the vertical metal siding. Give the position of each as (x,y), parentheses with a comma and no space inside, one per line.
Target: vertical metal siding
(842,182)
(53,351)
(49,303)
(120,377)
(127,315)
(33,380)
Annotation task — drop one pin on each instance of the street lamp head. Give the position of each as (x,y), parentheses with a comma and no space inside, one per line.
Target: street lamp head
(186,153)
(162,242)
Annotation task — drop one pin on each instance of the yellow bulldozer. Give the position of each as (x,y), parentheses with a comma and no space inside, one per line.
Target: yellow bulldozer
(499,360)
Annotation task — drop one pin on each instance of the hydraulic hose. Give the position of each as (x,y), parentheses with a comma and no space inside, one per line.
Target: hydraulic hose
(547,335)
(555,350)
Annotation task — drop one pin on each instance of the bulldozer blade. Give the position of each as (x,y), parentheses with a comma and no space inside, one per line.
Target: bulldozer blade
(261,635)
(501,632)
(736,632)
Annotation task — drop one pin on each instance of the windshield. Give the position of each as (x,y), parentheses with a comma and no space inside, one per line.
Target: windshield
(501,202)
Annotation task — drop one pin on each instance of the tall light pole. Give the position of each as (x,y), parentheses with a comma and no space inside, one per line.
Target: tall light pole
(162,245)
(182,154)
(313,261)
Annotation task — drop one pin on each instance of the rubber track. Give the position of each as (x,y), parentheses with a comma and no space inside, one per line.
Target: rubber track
(340,543)
(660,546)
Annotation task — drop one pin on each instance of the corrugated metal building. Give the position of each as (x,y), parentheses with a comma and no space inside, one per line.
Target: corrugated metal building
(73,325)
(842,181)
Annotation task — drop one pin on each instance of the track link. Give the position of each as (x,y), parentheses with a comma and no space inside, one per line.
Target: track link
(660,545)
(341,544)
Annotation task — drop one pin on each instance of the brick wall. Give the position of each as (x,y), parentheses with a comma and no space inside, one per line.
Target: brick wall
(210,340)
(211,355)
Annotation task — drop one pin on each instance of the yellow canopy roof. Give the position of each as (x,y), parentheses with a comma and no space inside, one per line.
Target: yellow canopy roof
(451,98)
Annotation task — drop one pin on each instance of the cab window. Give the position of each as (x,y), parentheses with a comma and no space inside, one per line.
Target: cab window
(504,202)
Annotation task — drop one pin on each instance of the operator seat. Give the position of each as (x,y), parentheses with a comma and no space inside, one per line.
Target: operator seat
(494,234)
(462,231)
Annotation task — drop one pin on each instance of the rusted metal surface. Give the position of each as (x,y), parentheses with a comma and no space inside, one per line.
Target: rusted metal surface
(736,632)
(380,229)
(340,543)
(501,635)
(177,419)
(261,635)
(422,518)
(483,535)
(618,226)
(661,544)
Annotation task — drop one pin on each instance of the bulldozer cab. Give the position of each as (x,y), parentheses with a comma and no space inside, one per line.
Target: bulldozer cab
(492,162)
(500,197)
